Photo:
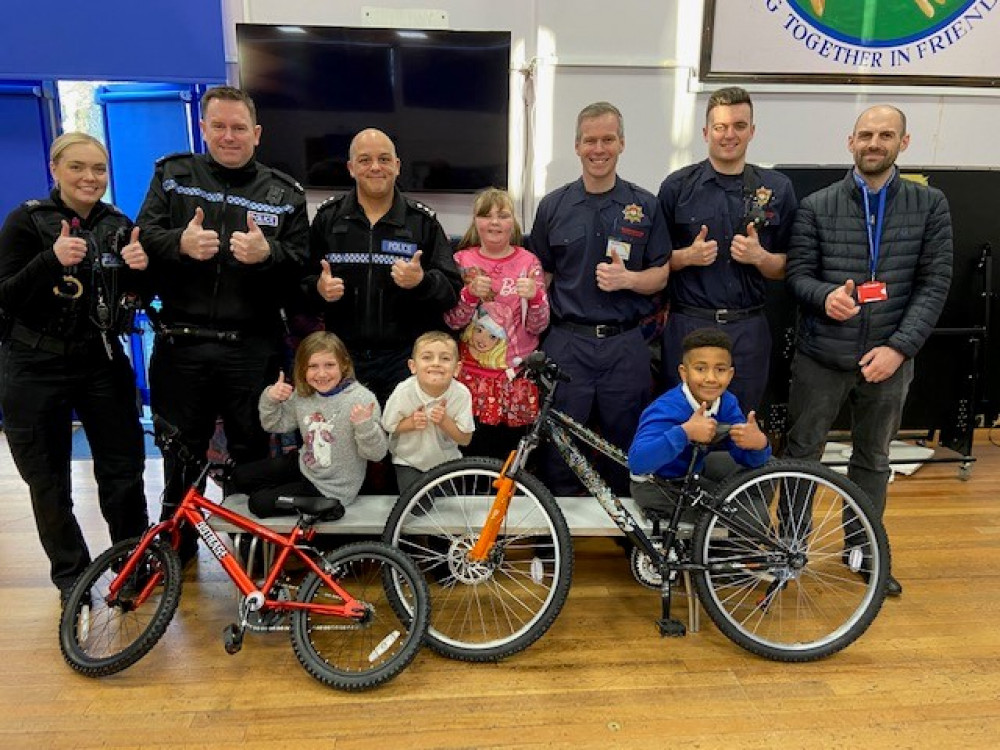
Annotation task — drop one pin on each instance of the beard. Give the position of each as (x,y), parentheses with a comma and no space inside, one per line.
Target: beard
(868,167)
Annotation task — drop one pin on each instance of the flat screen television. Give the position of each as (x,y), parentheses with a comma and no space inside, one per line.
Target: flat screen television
(442,96)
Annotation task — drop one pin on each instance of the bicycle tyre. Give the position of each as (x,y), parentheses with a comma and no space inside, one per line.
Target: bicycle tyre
(357,656)
(798,596)
(110,638)
(490,610)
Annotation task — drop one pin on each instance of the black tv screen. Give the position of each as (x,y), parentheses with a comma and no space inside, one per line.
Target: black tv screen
(442,96)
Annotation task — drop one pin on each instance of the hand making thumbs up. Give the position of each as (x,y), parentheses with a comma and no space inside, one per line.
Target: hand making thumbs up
(280,391)
(702,251)
(133,254)
(840,303)
(250,246)
(700,427)
(330,287)
(749,436)
(69,250)
(408,273)
(614,275)
(196,241)
(746,248)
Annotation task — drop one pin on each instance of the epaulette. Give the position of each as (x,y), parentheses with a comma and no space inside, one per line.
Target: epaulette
(288,179)
(32,204)
(420,206)
(330,202)
(172,157)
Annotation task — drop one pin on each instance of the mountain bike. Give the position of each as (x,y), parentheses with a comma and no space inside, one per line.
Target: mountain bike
(346,629)
(788,559)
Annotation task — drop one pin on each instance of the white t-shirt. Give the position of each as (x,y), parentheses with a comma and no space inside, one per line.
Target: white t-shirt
(427,448)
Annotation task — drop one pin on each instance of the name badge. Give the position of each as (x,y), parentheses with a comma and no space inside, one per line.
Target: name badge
(872,291)
(402,249)
(262,219)
(623,249)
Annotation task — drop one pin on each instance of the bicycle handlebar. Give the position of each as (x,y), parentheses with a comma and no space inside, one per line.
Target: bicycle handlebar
(538,363)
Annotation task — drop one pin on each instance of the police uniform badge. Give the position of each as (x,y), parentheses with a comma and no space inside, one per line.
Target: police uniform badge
(632,213)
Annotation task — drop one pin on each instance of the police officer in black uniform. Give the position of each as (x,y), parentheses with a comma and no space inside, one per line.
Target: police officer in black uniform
(70,277)
(227,239)
(386,272)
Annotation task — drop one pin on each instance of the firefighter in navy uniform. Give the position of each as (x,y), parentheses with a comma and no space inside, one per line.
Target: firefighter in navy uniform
(71,272)
(383,271)
(227,239)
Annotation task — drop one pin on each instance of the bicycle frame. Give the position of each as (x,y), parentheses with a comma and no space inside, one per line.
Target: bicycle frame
(193,509)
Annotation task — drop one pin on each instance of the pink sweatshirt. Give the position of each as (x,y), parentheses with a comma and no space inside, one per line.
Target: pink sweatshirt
(527,318)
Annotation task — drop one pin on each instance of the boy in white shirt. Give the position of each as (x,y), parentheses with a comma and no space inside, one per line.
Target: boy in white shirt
(429,415)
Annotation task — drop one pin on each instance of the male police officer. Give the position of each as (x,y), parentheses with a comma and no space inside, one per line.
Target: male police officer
(729,222)
(385,267)
(227,239)
(604,247)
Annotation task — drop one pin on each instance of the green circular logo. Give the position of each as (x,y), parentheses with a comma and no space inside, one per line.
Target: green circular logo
(880,23)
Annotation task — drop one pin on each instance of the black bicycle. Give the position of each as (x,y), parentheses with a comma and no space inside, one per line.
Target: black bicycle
(789,559)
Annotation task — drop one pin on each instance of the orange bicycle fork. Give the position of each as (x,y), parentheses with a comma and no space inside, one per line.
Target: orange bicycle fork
(504,486)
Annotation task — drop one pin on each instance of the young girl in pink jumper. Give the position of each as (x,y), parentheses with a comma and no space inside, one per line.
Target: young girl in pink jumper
(504,298)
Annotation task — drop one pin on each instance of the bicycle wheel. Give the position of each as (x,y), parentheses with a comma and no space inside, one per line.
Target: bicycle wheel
(352,655)
(99,635)
(796,561)
(484,611)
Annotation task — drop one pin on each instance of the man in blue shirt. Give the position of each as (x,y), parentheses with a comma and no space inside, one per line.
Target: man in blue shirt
(604,248)
(729,222)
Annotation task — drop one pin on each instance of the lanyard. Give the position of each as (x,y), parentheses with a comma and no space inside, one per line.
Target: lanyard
(874,226)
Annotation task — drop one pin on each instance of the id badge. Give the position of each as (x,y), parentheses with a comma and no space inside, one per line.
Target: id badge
(623,249)
(872,291)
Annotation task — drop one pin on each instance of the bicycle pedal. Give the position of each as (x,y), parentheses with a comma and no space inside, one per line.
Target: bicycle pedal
(671,627)
(232,638)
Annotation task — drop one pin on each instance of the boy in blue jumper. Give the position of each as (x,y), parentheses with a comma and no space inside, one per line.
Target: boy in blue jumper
(688,414)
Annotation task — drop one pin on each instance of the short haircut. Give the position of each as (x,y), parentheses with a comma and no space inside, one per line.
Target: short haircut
(229,94)
(728,97)
(485,202)
(707,337)
(63,142)
(599,109)
(897,110)
(434,337)
(320,342)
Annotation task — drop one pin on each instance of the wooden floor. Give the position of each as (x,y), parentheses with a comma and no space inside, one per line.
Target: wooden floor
(927,674)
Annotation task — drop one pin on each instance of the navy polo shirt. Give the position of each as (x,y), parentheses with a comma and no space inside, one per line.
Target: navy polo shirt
(570,237)
(697,195)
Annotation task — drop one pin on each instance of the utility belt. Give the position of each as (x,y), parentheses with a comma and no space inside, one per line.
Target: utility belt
(198,333)
(596,330)
(720,317)
(45,343)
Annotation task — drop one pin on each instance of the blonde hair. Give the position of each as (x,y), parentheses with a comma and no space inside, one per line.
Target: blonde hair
(63,142)
(434,337)
(485,202)
(320,342)
(495,358)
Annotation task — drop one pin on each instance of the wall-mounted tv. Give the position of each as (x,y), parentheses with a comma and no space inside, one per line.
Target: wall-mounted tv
(442,96)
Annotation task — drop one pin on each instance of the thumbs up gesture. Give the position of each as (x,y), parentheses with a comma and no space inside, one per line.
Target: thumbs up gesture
(702,251)
(280,391)
(408,273)
(250,246)
(329,287)
(69,250)
(746,248)
(613,276)
(749,436)
(840,303)
(196,241)
(133,254)
(700,427)
(438,411)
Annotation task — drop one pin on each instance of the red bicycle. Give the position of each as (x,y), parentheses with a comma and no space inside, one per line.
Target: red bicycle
(357,618)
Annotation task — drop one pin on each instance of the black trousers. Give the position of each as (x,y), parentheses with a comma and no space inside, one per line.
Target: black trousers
(193,382)
(266,480)
(39,391)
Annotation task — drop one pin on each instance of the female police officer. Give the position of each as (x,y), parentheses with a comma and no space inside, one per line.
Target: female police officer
(68,288)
